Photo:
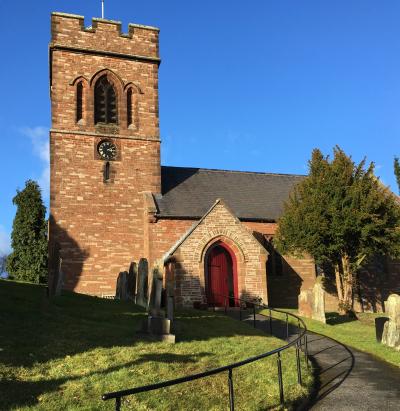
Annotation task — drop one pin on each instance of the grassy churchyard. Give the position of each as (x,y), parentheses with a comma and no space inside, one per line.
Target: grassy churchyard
(357,333)
(64,353)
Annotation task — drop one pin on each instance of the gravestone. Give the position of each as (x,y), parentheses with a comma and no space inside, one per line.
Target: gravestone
(379,327)
(306,303)
(142,286)
(170,308)
(132,281)
(156,326)
(312,302)
(121,292)
(155,294)
(59,275)
(170,289)
(318,301)
(391,330)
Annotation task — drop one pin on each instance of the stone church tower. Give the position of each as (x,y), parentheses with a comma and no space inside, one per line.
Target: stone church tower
(104,149)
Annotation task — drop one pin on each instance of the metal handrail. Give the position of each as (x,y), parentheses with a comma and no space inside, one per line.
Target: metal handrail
(117,395)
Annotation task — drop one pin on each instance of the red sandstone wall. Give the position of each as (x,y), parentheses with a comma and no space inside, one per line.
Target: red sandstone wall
(99,225)
(219,224)
(297,274)
(69,66)
(164,234)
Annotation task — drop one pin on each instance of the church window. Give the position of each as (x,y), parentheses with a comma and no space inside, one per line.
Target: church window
(132,114)
(129,107)
(106,172)
(79,102)
(275,260)
(105,102)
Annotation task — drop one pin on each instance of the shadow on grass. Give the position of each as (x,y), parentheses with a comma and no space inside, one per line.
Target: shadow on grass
(170,358)
(17,393)
(35,331)
(333,318)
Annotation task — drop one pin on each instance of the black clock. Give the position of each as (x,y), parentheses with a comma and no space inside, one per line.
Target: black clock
(107,150)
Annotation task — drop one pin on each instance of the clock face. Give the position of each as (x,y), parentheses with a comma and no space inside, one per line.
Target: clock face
(107,150)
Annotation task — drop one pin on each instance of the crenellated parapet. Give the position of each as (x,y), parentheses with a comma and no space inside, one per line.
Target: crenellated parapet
(69,31)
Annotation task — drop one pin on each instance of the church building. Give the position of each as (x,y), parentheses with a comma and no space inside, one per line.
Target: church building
(111,201)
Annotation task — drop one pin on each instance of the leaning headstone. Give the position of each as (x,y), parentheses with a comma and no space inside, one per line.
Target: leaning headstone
(391,330)
(132,281)
(306,303)
(318,301)
(122,286)
(142,286)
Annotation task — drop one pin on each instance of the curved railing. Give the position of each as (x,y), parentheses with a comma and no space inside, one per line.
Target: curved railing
(243,306)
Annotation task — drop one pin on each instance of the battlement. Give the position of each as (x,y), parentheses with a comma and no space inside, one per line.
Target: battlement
(68,30)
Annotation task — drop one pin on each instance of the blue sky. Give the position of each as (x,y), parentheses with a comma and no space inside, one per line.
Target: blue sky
(243,85)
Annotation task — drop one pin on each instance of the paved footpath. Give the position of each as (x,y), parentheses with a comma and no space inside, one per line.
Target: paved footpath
(347,379)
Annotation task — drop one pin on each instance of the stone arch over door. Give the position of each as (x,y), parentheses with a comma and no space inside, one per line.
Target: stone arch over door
(218,224)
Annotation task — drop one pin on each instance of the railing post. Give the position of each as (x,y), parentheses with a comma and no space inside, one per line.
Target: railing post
(270,321)
(231,393)
(287,327)
(118,404)
(226,307)
(306,349)
(240,311)
(254,316)
(298,364)
(281,397)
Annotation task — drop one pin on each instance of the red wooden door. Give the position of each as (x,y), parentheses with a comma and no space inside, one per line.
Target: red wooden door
(220,278)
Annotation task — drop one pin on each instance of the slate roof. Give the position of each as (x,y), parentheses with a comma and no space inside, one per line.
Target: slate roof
(190,192)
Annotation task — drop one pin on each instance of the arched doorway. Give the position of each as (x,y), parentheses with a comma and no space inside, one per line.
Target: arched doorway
(221,275)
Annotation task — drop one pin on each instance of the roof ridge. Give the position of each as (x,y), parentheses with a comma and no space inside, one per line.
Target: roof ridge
(236,171)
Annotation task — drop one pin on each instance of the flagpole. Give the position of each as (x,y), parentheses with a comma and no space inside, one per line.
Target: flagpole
(102,9)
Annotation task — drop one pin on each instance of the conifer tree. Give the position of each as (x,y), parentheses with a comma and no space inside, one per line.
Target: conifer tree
(342,216)
(397,172)
(28,260)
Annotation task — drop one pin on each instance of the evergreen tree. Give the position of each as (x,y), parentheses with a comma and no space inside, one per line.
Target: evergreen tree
(28,260)
(3,260)
(342,216)
(397,171)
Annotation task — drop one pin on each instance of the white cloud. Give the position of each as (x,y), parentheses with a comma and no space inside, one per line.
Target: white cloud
(39,137)
(5,242)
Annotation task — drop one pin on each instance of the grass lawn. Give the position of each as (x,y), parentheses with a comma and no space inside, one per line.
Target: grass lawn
(63,354)
(358,333)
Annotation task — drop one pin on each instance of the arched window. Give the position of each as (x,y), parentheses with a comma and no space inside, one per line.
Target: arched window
(79,102)
(129,107)
(132,115)
(105,102)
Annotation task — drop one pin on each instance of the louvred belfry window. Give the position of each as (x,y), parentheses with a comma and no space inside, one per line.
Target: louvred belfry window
(105,102)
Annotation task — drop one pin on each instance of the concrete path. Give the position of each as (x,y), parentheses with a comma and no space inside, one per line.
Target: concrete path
(347,379)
